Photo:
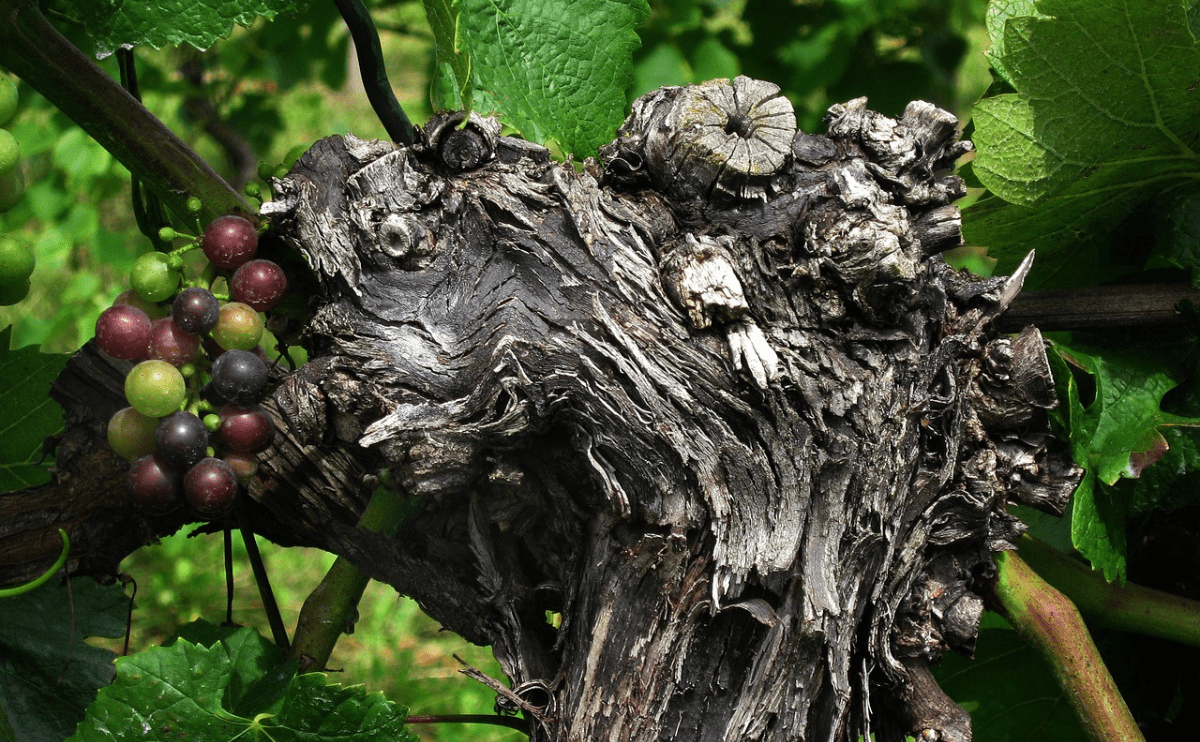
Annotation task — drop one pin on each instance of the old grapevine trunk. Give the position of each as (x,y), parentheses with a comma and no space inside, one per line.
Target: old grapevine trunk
(716,402)
(705,440)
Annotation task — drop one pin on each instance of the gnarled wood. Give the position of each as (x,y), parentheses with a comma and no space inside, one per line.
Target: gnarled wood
(735,421)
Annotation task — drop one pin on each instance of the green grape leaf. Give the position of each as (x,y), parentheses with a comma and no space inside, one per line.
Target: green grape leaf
(1174,482)
(112,24)
(1119,434)
(48,673)
(1178,242)
(27,414)
(450,89)
(1028,704)
(552,69)
(998,13)
(1103,120)
(236,687)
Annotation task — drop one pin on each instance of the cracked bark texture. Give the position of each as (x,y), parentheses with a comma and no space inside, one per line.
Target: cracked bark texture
(716,401)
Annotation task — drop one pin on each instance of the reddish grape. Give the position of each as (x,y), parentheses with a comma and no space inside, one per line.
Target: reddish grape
(210,487)
(154,484)
(239,376)
(131,434)
(229,241)
(244,465)
(195,310)
(259,283)
(245,429)
(239,327)
(123,331)
(181,438)
(129,296)
(168,342)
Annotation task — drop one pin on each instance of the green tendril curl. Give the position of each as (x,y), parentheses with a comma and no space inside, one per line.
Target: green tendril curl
(12,592)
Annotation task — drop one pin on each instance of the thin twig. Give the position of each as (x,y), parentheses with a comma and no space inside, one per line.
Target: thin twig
(227,532)
(1098,307)
(374,73)
(270,607)
(511,722)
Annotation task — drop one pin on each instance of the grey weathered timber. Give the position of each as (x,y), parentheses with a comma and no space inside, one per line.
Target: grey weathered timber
(715,400)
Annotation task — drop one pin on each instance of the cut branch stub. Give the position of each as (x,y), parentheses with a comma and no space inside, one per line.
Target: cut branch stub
(717,139)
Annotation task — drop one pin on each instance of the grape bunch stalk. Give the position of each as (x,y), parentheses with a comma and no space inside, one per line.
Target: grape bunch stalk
(193,426)
(16,259)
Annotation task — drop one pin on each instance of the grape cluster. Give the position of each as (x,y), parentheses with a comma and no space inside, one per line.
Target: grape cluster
(16,259)
(201,372)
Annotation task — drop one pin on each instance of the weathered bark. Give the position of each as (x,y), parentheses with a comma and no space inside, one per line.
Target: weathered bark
(717,402)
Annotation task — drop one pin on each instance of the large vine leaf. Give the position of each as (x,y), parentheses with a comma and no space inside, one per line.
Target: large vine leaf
(27,414)
(1105,118)
(552,69)
(112,24)
(1028,704)
(239,687)
(1119,434)
(48,673)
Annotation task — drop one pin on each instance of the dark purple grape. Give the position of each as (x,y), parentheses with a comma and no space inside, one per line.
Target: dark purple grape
(181,439)
(210,395)
(229,241)
(168,342)
(239,376)
(155,485)
(245,429)
(259,283)
(123,331)
(209,487)
(195,310)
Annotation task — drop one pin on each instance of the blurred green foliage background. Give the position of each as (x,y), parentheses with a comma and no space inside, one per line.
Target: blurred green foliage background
(255,97)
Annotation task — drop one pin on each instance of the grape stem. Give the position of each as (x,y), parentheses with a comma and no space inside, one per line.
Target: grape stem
(328,611)
(1050,623)
(1129,607)
(33,49)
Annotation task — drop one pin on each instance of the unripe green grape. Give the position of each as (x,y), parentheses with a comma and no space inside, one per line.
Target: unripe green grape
(10,152)
(166,234)
(239,327)
(153,278)
(212,422)
(16,261)
(12,187)
(265,171)
(131,434)
(194,205)
(8,98)
(252,189)
(155,388)
(295,153)
(11,293)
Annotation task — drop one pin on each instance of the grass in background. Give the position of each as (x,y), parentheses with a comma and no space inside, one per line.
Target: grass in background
(395,648)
